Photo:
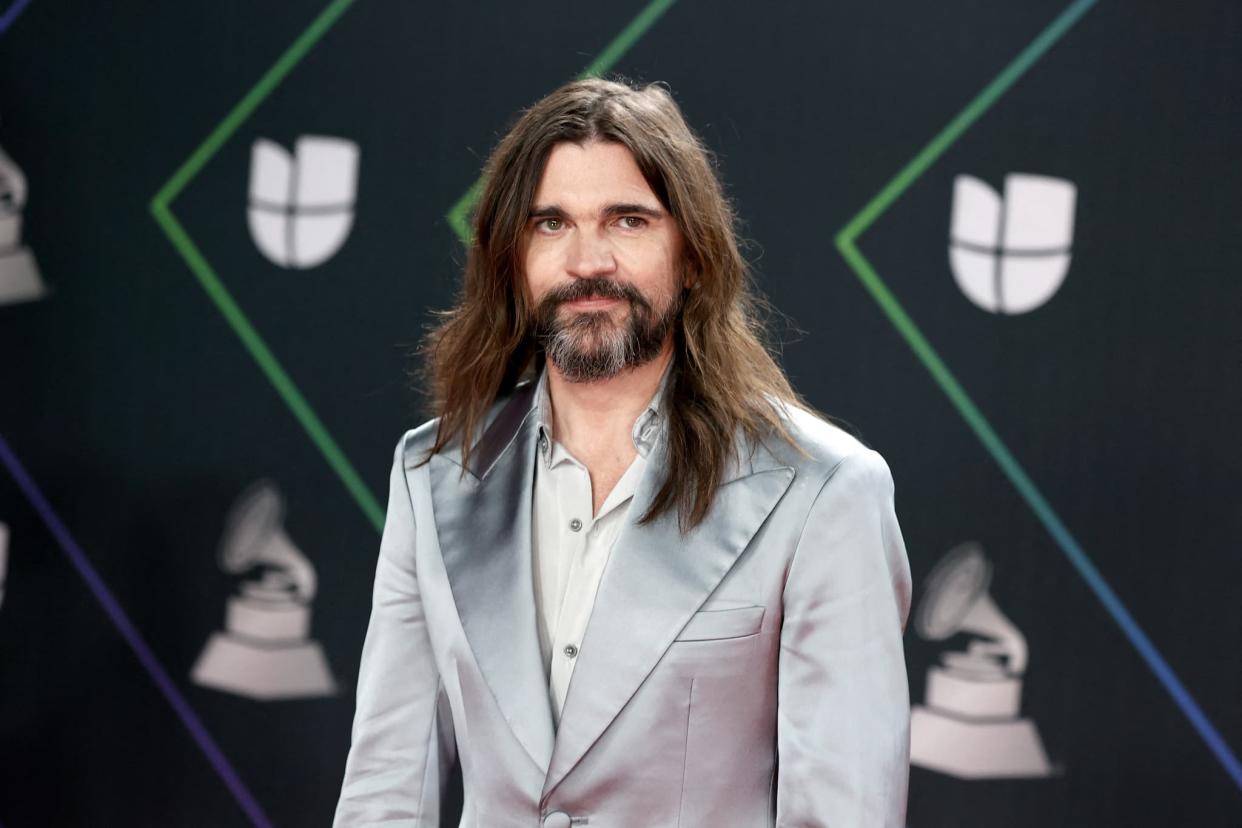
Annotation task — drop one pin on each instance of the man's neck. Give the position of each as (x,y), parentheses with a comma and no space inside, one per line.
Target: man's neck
(595,420)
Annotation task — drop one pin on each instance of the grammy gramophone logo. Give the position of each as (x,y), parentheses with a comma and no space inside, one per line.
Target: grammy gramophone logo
(19,275)
(969,724)
(4,558)
(265,651)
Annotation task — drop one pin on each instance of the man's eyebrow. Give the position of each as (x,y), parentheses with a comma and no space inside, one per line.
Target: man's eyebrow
(633,209)
(549,211)
(610,210)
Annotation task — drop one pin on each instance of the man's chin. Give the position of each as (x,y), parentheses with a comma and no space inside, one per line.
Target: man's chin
(590,353)
(589,329)
(593,374)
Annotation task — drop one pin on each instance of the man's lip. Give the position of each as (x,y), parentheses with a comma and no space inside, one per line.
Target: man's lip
(593,300)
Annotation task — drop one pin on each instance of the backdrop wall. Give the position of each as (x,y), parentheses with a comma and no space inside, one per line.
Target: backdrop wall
(1006,237)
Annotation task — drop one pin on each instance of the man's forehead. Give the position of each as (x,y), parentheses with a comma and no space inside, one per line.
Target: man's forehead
(590,176)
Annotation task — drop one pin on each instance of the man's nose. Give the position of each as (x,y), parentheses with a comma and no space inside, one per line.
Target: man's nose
(589,255)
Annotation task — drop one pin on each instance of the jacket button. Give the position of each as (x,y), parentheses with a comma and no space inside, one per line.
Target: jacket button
(571,650)
(557,819)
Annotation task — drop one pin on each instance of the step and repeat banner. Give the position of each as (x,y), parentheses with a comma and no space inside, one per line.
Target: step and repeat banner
(1004,241)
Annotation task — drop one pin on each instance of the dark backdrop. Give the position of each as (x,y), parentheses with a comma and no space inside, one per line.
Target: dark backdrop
(1089,445)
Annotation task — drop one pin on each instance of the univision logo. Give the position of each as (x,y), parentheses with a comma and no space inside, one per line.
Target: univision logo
(1011,256)
(302,207)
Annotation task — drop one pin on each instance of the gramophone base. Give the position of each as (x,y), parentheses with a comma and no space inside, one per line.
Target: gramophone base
(264,672)
(19,278)
(988,749)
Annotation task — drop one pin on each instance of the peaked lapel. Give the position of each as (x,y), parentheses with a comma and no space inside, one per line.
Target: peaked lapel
(655,579)
(483,522)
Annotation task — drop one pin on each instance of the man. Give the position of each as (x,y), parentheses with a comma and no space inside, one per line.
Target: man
(627,577)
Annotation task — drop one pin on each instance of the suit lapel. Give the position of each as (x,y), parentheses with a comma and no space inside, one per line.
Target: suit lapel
(655,580)
(483,525)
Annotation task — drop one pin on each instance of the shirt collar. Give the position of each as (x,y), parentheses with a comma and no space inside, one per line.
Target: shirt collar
(646,425)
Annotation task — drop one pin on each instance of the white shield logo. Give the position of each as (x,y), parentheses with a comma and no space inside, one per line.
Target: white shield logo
(1010,256)
(302,207)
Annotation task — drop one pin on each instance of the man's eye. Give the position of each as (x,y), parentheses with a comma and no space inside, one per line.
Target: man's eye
(551,224)
(633,222)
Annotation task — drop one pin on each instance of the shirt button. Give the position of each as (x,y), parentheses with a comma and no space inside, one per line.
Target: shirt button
(575,524)
(571,650)
(557,819)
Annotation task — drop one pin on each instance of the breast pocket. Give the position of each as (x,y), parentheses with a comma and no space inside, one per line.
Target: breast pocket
(716,624)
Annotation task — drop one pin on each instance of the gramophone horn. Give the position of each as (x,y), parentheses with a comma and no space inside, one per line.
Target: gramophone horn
(254,535)
(956,600)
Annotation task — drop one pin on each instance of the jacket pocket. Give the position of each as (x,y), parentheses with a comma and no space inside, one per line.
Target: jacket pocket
(709,625)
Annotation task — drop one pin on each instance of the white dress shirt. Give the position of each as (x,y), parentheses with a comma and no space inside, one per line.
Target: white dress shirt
(570,545)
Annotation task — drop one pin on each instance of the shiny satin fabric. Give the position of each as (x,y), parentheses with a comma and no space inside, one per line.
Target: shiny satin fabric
(748,673)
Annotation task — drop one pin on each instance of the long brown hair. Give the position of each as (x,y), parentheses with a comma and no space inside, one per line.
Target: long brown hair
(724,377)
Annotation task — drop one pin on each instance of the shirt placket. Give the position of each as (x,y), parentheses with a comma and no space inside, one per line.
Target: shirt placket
(574,535)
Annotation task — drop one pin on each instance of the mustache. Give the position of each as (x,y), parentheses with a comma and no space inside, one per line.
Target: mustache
(593,289)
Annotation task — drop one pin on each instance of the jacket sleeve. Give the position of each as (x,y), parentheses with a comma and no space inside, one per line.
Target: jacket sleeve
(403,745)
(843,720)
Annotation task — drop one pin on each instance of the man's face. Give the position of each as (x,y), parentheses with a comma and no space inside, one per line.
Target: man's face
(601,264)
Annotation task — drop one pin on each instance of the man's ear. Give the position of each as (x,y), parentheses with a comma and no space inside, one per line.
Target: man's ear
(689,277)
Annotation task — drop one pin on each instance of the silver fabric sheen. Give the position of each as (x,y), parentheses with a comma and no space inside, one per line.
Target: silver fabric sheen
(771,631)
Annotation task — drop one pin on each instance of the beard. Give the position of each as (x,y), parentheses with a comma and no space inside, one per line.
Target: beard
(587,346)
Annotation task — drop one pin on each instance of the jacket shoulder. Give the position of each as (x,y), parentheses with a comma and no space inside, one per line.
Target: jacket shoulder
(827,444)
(417,441)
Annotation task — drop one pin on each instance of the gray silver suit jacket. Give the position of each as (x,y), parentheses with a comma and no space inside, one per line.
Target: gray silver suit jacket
(749,673)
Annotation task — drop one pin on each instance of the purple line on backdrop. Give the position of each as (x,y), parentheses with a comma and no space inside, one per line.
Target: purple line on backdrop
(7,19)
(132,637)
